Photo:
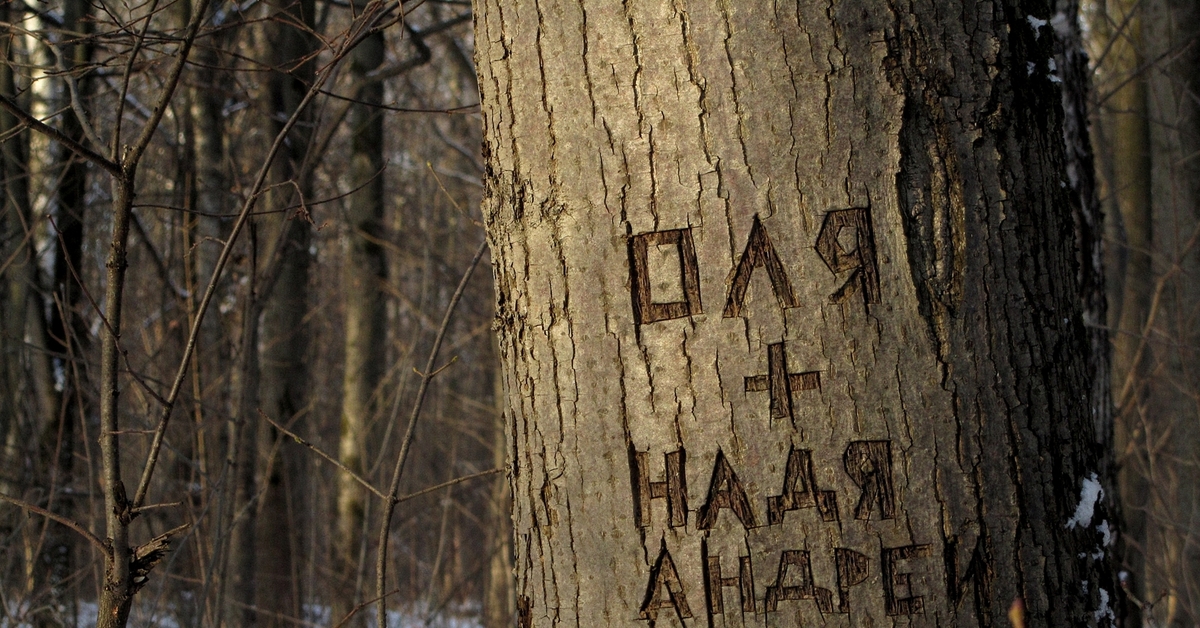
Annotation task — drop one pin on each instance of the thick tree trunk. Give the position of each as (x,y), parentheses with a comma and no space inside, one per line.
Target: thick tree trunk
(789,312)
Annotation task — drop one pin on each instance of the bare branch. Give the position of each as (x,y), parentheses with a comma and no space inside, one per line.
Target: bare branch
(70,523)
(389,507)
(56,135)
(319,452)
(449,483)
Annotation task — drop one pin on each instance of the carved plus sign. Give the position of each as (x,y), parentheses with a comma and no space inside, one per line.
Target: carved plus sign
(780,383)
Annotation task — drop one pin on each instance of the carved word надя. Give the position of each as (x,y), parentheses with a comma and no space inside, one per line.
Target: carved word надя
(868,463)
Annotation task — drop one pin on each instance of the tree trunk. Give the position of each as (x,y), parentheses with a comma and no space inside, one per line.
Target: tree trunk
(261,565)
(498,611)
(788,306)
(17,269)
(67,335)
(1125,127)
(1172,425)
(364,271)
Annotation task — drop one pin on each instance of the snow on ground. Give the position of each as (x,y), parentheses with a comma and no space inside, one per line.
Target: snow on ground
(146,616)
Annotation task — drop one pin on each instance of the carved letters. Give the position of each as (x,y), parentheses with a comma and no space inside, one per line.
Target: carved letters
(759,252)
(869,464)
(896,584)
(800,490)
(714,583)
(664,575)
(977,573)
(724,491)
(842,252)
(645,310)
(851,570)
(860,259)
(780,383)
(845,243)
(794,567)
(793,581)
(673,489)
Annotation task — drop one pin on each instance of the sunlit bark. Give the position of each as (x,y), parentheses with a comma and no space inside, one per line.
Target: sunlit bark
(790,315)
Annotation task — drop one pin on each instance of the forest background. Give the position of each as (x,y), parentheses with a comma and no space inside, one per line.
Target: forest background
(321,159)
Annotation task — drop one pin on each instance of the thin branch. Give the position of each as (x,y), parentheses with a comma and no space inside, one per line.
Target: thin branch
(56,135)
(389,507)
(154,506)
(1160,287)
(317,450)
(354,611)
(160,107)
(70,523)
(138,42)
(449,483)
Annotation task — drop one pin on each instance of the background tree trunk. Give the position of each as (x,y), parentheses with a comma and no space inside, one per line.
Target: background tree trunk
(1173,369)
(67,336)
(364,273)
(1126,129)
(261,543)
(19,274)
(1149,131)
(890,417)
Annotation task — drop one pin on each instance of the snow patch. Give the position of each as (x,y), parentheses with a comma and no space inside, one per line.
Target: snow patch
(1089,494)
(1036,24)
(1054,78)
(1105,610)
(1105,532)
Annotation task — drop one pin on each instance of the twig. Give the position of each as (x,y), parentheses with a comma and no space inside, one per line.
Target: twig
(41,127)
(70,523)
(354,611)
(1155,300)
(458,480)
(153,506)
(389,507)
(319,452)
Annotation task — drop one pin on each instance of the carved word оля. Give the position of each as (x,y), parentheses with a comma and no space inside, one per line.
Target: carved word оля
(759,252)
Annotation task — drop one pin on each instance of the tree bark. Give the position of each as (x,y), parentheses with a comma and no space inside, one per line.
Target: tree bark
(788,306)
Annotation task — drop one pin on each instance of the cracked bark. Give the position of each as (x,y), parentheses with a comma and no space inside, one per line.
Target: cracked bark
(948,423)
